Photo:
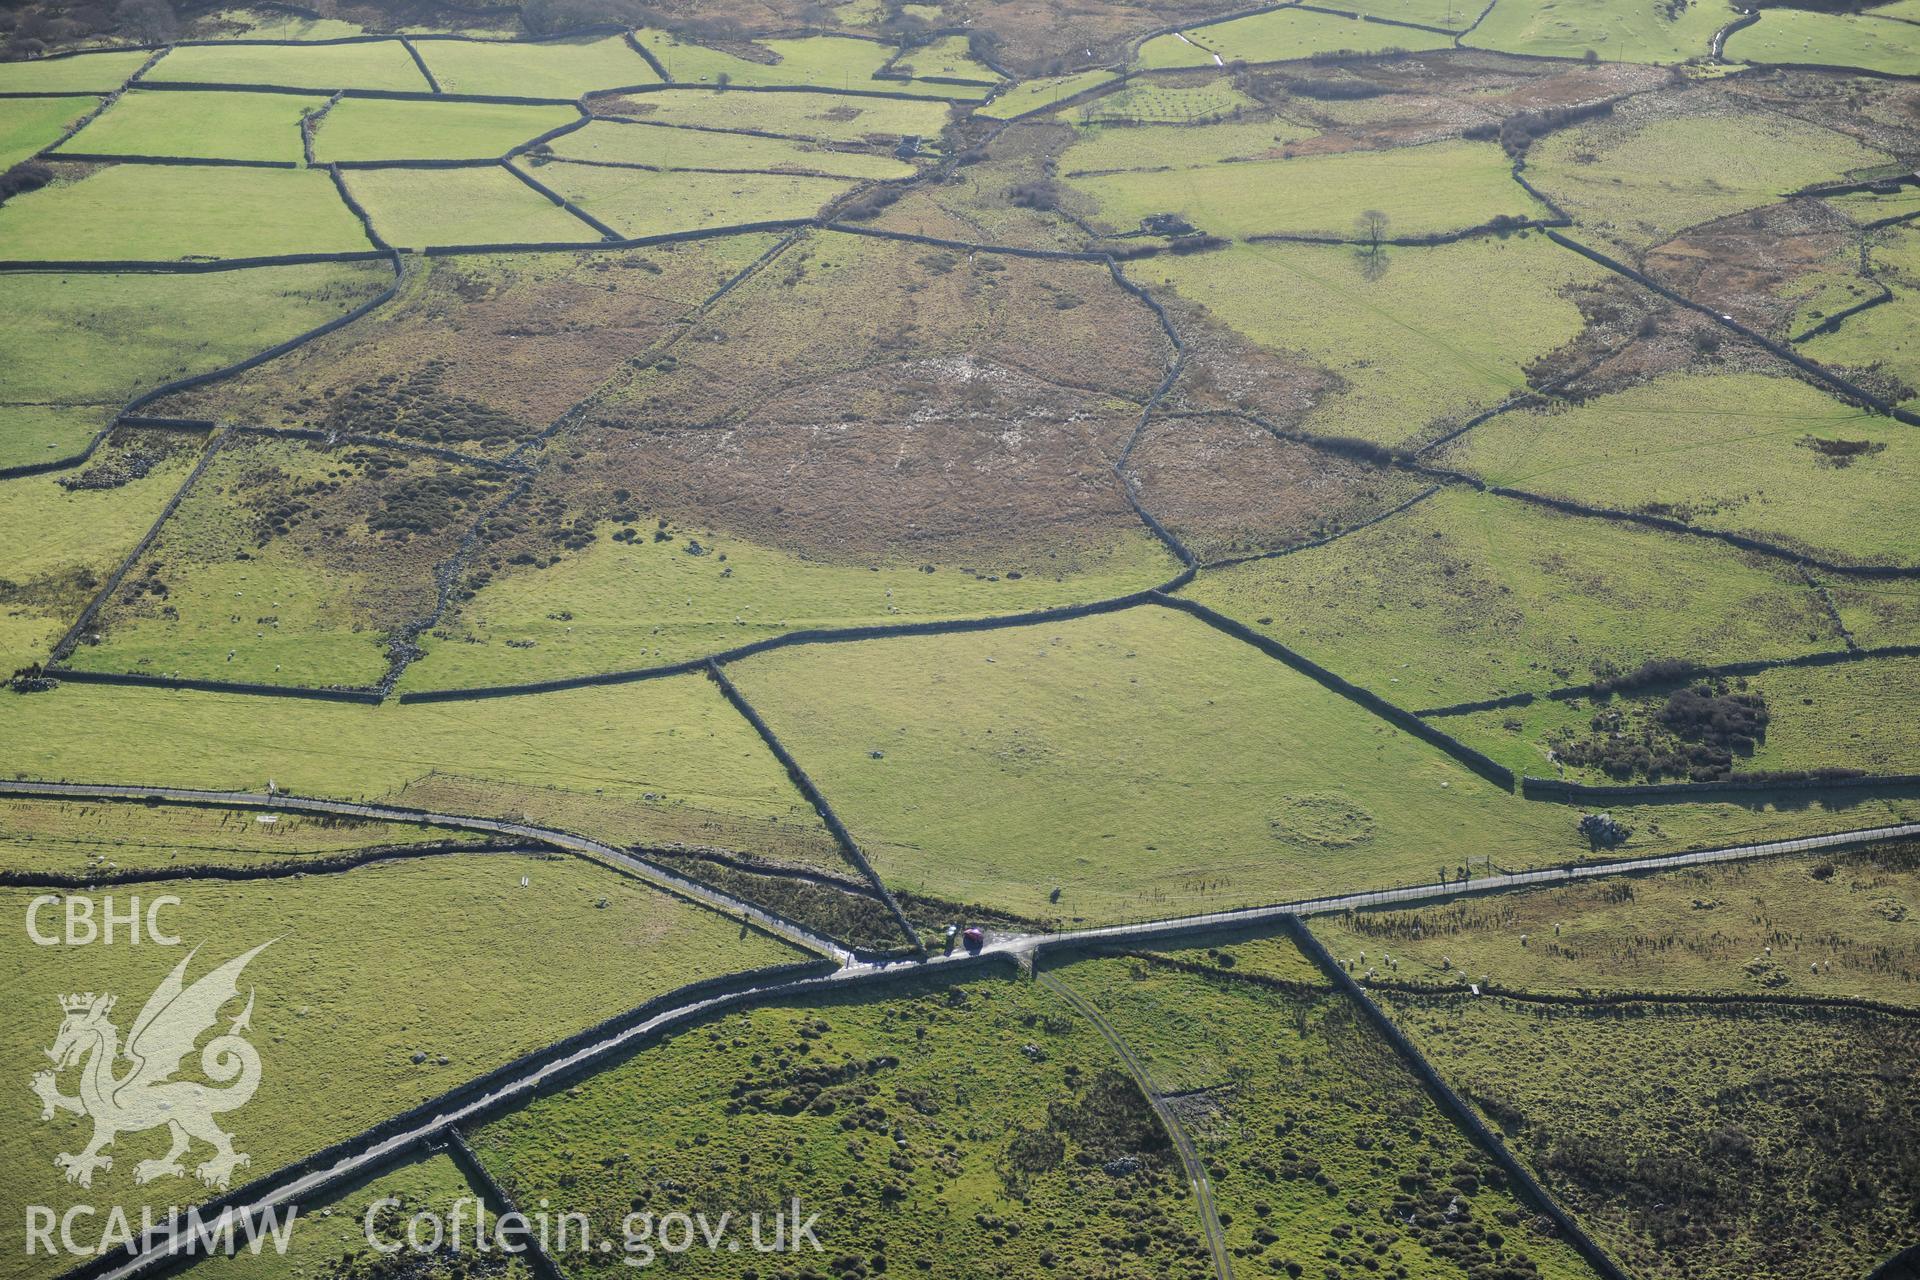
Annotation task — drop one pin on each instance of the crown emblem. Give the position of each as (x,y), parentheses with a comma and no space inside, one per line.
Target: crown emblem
(82,1003)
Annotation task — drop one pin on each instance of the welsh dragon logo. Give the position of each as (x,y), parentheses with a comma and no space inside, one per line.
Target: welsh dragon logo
(144,1096)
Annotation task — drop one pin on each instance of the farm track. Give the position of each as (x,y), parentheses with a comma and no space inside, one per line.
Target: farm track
(1182,1141)
(542,1071)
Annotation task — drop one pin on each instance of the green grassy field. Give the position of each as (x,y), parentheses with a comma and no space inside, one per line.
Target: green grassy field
(1883,339)
(212,126)
(352,987)
(1280,36)
(1321,1145)
(62,543)
(280,567)
(804,115)
(1747,818)
(823,62)
(941,1129)
(75,348)
(1260,956)
(642,603)
(1740,452)
(1824,290)
(1701,1149)
(1412,346)
(1616,31)
(1099,148)
(1444,186)
(1032,95)
(1636,180)
(1839,925)
(1138,764)
(42,433)
(1145,102)
(419,207)
(947,56)
(72,837)
(1877,612)
(273,24)
(658,761)
(1828,39)
(637,203)
(183,212)
(1470,596)
(557,69)
(28,124)
(1851,716)
(84,73)
(382,64)
(1454,15)
(98,339)
(376,129)
(831,63)
(1871,206)
(691,149)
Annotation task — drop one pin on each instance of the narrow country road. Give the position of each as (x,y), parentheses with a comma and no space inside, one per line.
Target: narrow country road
(279,1192)
(660,877)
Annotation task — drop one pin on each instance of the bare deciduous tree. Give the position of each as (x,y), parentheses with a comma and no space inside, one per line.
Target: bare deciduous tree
(1372,226)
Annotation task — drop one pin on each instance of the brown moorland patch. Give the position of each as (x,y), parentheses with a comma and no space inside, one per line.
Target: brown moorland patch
(1753,265)
(852,491)
(1618,316)
(478,353)
(1002,191)
(1223,370)
(1674,340)
(1228,487)
(1884,114)
(289,562)
(848,329)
